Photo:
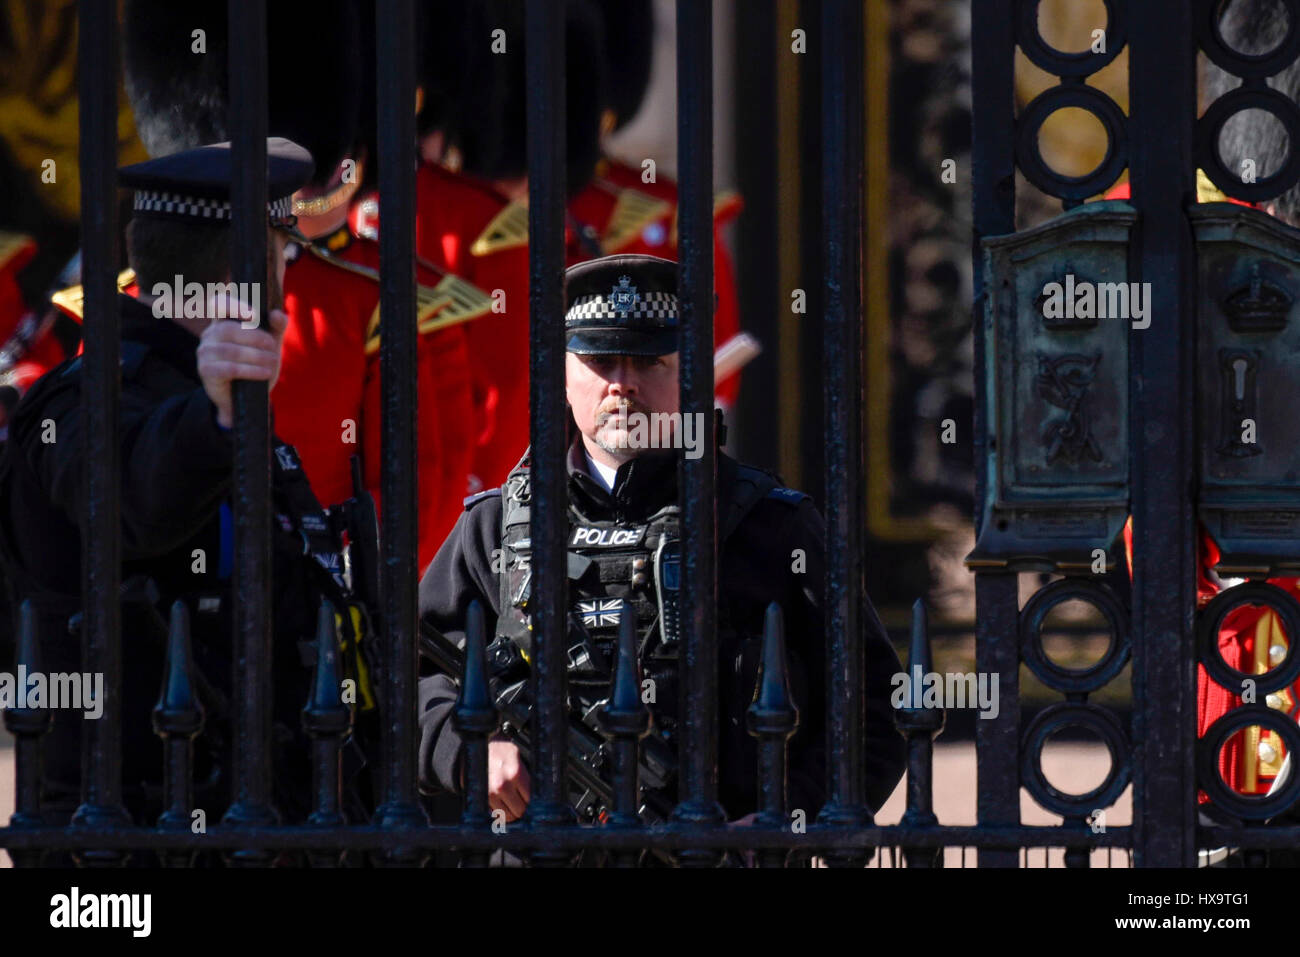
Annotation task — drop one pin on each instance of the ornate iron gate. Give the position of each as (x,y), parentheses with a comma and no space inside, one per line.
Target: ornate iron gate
(400,832)
(1057,481)
(1087,418)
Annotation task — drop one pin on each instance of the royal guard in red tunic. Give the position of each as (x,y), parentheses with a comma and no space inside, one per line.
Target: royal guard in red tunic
(1251,639)
(632,208)
(471,194)
(467,227)
(29,345)
(447,309)
(629,215)
(327,400)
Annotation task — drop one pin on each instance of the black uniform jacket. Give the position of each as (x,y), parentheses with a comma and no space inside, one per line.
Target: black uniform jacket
(757,565)
(176,530)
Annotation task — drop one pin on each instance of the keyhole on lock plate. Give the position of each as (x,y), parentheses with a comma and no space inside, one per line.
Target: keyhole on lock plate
(1239,377)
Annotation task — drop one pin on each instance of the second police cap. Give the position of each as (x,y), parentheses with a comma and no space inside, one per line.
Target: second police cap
(194,185)
(621,305)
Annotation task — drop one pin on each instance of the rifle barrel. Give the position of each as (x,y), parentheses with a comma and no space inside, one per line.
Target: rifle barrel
(445,655)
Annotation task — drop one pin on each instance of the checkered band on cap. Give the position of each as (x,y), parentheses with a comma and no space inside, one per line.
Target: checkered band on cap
(659,308)
(178,206)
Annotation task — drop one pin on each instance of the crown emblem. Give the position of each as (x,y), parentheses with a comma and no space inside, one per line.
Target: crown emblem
(624,297)
(1259,305)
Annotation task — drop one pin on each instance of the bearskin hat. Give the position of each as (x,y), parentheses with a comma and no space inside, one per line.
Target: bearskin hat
(629,51)
(477,96)
(177,79)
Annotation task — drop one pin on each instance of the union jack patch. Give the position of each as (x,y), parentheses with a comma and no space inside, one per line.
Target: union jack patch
(601,612)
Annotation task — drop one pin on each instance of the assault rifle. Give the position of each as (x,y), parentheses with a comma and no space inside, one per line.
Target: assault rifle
(588,751)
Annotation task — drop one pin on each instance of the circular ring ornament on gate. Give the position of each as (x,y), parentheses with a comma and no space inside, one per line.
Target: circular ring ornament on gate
(1030,160)
(1059,62)
(1207,762)
(1100,722)
(1074,680)
(1246,65)
(1211,620)
(1209,126)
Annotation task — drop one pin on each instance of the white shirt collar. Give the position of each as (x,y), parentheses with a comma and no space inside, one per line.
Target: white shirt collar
(605,473)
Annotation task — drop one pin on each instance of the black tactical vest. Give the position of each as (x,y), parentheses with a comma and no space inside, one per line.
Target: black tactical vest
(614,569)
(310,551)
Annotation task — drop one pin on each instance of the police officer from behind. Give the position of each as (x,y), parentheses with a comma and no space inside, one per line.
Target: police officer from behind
(176,448)
(622,364)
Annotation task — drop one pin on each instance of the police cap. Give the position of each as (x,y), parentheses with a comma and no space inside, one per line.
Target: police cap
(622,305)
(195,184)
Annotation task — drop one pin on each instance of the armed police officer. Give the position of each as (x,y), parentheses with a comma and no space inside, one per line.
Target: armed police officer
(622,370)
(176,447)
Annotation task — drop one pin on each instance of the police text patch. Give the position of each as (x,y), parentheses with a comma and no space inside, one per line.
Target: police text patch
(587,537)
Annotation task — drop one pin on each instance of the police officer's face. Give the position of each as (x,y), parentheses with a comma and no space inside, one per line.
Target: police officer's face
(607,395)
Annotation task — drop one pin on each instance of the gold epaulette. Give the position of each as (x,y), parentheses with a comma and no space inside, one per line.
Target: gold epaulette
(73,299)
(633,212)
(507,230)
(1206,191)
(11,244)
(456,301)
(452,301)
(726,204)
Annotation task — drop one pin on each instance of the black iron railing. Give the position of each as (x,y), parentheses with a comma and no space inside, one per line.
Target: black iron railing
(1163,48)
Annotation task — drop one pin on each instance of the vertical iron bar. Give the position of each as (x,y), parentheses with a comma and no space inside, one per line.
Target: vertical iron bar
(474,719)
(251,582)
(1162,97)
(920,725)
(772,719)
(28,726)
(544,58)
(1078,857)
(326,719)
(177,718)
(395,56)
(101,771)
(993,185)
(698,664)
(842,164)
(626,719)
(997,740)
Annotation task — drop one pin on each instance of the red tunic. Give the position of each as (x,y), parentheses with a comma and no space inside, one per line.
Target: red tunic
(317,399)
(647,223)
(447,311)
(466,226)
(18,325)
(327,401)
